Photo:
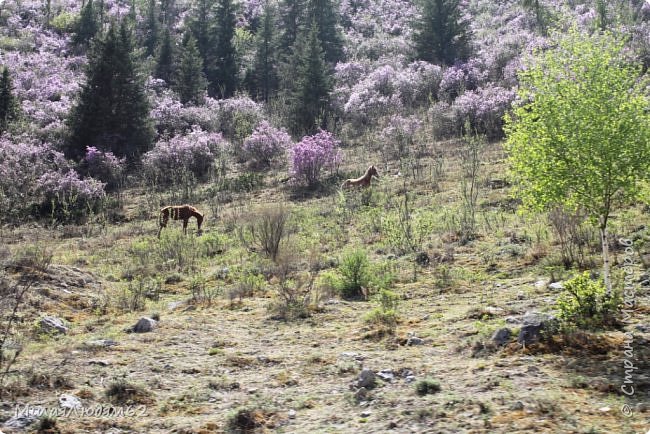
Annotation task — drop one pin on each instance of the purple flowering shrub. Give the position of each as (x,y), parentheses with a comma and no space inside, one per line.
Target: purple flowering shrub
(193,152)
(36,179)
(484,109)
(171,117)
(313,154)
(104,166)
(399,135)
(69,198)
(266,144)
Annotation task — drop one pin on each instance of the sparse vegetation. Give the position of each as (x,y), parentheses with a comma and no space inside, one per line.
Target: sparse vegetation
(302,306)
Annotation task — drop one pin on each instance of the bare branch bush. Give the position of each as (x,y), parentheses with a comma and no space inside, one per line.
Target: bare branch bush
(27,266)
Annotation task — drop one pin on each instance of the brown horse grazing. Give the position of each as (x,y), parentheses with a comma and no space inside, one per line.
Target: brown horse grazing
(364,181)
(179,212)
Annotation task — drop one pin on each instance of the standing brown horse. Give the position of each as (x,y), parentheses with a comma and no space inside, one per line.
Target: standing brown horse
(364,181)
(179,212)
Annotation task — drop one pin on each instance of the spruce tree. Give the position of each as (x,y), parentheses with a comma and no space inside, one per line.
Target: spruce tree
(111,112)
(440,34)
(165,64)
(310,97)
(190,82)
(87,26)
(325,14)
(199,23)
(292,13)
(223,79)
(8,104)
(265,78)
(151,30)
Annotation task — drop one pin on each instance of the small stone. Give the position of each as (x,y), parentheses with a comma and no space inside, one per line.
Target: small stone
(521,295)
(291,414)
(102,343)
(556,286)
(98,362)
(69,401)
(144,325)
(25,419)
(366,413)
(540,284)
(516,406)
(366,379)
(53,324)
(386,375)
(605,409)
(501,336)
(414,340)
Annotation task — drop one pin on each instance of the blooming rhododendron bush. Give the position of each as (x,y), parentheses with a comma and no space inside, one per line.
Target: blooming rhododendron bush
(313,154)
(36,179)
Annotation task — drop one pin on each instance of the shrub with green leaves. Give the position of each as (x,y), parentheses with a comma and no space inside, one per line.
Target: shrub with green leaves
(355,276)
(584,303)
(387,311)
(427,386)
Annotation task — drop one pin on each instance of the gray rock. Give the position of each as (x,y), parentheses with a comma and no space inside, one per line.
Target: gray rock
(366,379)
(175,305)
(501,336)
(414,340)
(69,401)
(291,414)
(24,418)
(366,413)
(521,295)
(533,324)
(409,378)
(556,286)
(53,324)
(101,343)
(513,320)
(643,328)
(144,325)
(386,375)
(518,405)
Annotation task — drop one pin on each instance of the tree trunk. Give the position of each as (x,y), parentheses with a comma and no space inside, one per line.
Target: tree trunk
(605,245)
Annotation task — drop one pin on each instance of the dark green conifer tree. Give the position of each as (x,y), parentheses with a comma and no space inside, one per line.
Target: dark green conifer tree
(190,82)
(8,103)
(87,26)
(112,111)
(309,98)
(223,79)
(165,63)
(440,35)
(325,14)
(151,30)
(265,77)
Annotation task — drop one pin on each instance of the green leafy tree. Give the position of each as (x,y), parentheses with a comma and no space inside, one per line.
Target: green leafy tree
(581,138)
(309,99)
(190,82)
(87,26)
(441,35)
(8,104)
(223,79)
(112,111)
(165,62)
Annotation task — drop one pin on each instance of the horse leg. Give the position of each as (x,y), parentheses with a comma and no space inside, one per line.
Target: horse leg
(185,226)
